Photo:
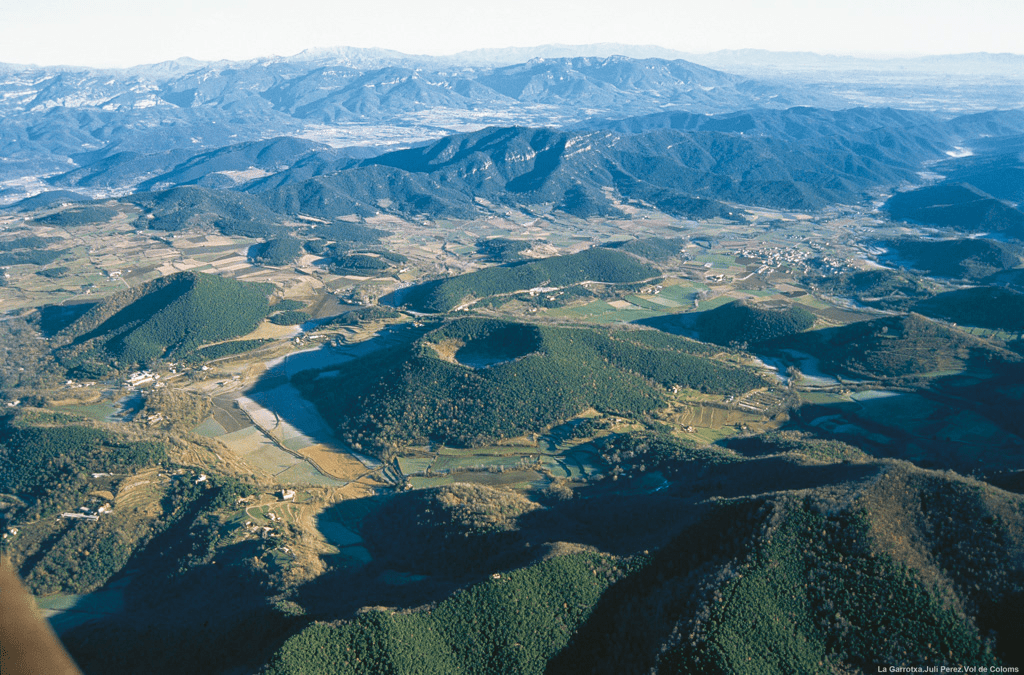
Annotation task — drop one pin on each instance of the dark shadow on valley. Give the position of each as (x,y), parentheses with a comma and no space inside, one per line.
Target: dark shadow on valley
(211,618)
(55,318)
(617,519)
(965,423)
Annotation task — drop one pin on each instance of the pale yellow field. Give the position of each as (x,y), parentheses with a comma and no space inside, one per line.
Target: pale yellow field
(337,464)
(271,331)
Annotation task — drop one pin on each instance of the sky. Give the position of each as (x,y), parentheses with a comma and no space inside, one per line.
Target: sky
(119,33)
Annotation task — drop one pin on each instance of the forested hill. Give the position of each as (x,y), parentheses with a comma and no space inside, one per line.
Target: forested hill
(596,264)
(894,347)
(474,381)
(959,206)
(985,306)
(909,566)
(795,159)
(168,317)
(749,322)
(974,258)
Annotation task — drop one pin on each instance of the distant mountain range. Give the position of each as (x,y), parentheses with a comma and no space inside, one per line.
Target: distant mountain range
(736,60)
(691,166)
(51,118)
(687,165)
(214,124)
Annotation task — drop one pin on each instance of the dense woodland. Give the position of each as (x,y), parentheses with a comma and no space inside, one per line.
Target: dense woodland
(29,241)
(502,249)
(276,252)
(957,258)
(359,264)
(222,349)
(822,449)
(745,323)
(26,364)
(779,584)
(453,531)
(341,231)
(513,624)
(959,206)
(655,249)
(47,467)
(290,317)
(882,288)
(859,607)
(53,463)
(29,257)
(77,217)
(984,306)
(231,213)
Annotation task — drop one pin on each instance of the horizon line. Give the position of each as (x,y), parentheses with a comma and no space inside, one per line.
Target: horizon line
(866,56)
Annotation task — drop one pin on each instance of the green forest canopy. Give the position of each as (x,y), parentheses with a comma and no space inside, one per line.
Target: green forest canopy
(168,317)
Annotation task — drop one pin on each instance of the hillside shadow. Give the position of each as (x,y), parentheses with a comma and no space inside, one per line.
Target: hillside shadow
(339,593)
(772,474)
(55,318)
(171,627)
(545,163)
(405,295)
(963,423)
(607,517)
(325,357)
(629,622)
(683,325)
(135,312)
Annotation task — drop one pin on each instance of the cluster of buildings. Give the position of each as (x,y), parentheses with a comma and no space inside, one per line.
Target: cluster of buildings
(87,513)
(771,257)
(141,377)
(262,531)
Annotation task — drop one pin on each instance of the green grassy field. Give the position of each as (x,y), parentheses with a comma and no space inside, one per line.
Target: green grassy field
(648,303)
(682,292)
(718,260)
(414,464)
(103,411)
(717,301)
(447,463)
(601,312)
(514,479)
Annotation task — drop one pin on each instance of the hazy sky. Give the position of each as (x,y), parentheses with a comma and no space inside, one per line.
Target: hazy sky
(130,32)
